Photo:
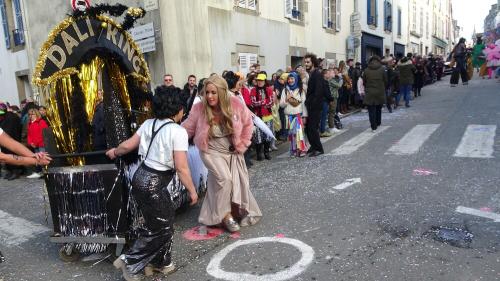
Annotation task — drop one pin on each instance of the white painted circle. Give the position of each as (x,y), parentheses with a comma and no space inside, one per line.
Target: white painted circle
(214,267)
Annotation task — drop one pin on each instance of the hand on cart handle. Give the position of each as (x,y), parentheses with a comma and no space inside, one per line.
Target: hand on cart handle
(42,158)
(112,153)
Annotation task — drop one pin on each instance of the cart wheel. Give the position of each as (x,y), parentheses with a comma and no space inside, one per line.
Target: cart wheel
(68,254)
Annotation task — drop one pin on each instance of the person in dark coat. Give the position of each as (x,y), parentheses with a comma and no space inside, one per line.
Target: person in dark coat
(11,124)
(375,80)
(314,104)
(419,78)
(459,54)
(406,71)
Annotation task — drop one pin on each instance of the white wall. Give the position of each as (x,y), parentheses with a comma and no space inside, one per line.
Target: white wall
(229,28)
(9,64)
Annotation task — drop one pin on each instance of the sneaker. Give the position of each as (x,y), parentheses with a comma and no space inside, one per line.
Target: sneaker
(273,147)
(334,130)
(364,110)
(149,270)
(340,114)
(325,134)
(34,176)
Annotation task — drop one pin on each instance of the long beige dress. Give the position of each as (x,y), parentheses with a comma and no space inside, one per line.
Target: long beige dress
(227,183)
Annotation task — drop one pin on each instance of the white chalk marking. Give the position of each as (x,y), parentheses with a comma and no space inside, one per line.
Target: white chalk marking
(323,140)
(15,231)
(347,183)
(469,211)
(214,267)
(413,140)
(477,142)
(358,141)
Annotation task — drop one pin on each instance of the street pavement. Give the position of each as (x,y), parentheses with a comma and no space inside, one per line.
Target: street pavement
(371,208)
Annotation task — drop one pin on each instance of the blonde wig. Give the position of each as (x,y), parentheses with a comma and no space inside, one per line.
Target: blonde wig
(36,112)
(226,118)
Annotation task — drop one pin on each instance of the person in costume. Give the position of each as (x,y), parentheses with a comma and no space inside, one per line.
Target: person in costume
(162,146)
(292,100)
(262,102)
(221,127)
(478,57)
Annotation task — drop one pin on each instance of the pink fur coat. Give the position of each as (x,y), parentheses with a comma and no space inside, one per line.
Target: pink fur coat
(197,125)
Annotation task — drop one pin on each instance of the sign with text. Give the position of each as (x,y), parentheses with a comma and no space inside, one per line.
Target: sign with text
(147,45)
(143,31)
(150,5)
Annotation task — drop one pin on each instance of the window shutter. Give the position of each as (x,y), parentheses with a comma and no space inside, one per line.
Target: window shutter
(376,12)
(252,4)
(252,59)
(337,15)
(399,21)
(244,65)
(5,24)
(369,12)
(288,8)
(241,3)
(326,12)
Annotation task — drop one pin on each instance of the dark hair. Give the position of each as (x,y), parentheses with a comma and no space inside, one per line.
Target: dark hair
(231,79)
(191,76)
(374,57)
(167,102)
(313,58)
(41,106)
(324,71)
(200,84)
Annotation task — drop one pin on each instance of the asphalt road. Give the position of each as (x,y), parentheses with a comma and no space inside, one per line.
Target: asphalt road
(428,169)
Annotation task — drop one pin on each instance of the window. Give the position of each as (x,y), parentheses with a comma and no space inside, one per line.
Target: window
(372,12)
(247,4)
(327,14)
(292,10)
(246,60)
(5,23)
(19,31)
(387,15)
(399,21)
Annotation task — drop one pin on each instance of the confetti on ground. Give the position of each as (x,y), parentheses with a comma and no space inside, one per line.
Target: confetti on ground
(423,172)
(196,235)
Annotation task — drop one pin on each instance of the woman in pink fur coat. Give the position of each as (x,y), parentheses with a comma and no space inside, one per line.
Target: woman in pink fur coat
(222,128)
(492,53)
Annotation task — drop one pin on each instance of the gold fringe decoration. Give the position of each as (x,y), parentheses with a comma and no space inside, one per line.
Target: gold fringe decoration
(119,83)
(89,81)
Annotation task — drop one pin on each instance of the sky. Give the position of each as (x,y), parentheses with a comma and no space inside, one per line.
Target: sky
(470,13)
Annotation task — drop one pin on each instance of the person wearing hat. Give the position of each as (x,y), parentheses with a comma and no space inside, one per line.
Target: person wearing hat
(279,85)
(10,124)
(262,101)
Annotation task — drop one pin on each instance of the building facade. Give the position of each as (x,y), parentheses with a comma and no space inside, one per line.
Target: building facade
(204,36)
(383,25)
(14,66)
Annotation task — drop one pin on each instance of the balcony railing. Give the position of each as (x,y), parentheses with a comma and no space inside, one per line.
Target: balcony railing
(18,37)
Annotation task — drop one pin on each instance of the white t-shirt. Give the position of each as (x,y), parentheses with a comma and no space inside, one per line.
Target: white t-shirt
(170,138)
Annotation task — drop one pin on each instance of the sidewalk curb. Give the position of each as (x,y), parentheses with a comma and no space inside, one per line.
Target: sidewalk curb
(350,113)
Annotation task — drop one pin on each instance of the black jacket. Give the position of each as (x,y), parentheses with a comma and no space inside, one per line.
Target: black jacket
(315,90)
(11,124)
(99,128)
